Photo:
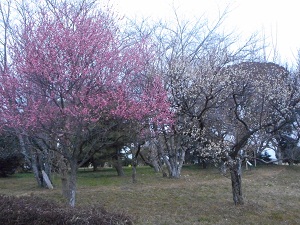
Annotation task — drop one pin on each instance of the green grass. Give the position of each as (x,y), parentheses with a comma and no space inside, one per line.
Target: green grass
(272,195)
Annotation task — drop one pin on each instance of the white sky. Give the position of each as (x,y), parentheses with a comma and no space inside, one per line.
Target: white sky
(278,19)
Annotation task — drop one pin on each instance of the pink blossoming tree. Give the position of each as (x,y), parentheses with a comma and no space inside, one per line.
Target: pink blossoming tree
(71,76)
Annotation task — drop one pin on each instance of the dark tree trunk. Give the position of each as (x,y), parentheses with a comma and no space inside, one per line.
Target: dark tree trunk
(94,164)
(95,167)
(45,156)
(33,157)
(24,149)
(102,164)
(63,171)
(134,164)
(36,168)
(41,160)
(235,167)
(204,164)
(117,163)
(119,168)
(279,155)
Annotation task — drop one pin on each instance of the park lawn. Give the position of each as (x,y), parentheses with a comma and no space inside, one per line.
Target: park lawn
(272,195)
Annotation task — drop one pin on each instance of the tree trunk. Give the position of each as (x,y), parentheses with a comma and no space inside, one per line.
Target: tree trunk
(154,160)
(204,164)
(174,173)
(48,164)
(47,180)
(24,149)
(156,166)
(235,167)
(174,165)
(46,156)
(254,155)
(117,164)
(33,157)
(134,164)
(119,169)
(36,171)
(69,179)
(63,171)
(73,182)
(41,160)
(94,164)
(279,155)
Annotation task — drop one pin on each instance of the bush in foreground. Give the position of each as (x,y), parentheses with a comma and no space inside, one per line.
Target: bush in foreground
(36,211)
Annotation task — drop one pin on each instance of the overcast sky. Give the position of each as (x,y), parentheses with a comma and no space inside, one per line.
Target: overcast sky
(278,19)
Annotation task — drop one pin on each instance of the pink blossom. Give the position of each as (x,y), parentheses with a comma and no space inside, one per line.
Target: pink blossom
(81,71)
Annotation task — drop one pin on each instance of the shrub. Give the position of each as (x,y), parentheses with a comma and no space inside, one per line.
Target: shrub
(10,156)
(36,211)
(9,162)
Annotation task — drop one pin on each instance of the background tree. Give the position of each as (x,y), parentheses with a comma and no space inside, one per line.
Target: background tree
(190,58)
(220,101)
(5,28)
(259,101)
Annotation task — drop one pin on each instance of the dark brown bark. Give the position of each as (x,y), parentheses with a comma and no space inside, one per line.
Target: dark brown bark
(117,162)
(134,164)
(236,181)
(119,168)
(63,172)
(36,168)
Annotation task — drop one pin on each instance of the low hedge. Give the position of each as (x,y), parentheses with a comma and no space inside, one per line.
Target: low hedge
(37,211)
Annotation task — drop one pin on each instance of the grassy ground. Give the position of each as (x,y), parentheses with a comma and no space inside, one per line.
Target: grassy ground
(272,195)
